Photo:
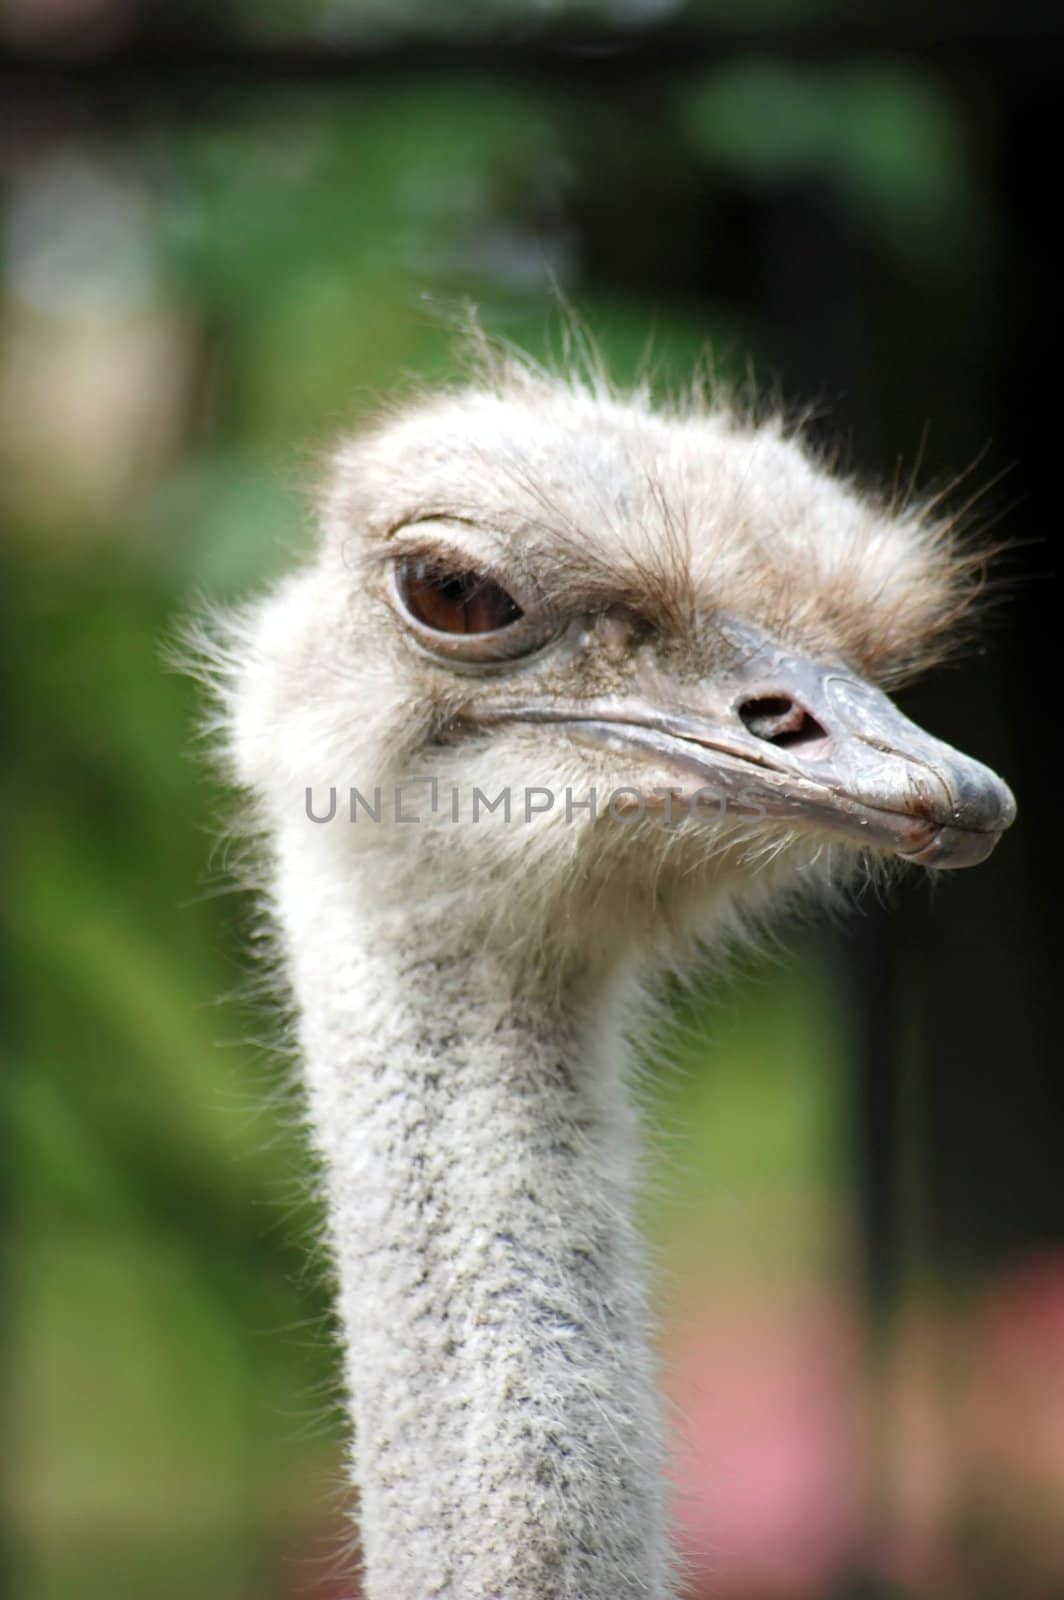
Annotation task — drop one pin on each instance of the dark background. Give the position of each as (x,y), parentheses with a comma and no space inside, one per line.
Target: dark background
(227,232)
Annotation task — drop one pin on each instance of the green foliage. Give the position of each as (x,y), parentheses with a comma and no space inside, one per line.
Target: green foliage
(883,134)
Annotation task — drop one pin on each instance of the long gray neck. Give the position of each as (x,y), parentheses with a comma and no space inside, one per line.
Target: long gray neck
(479,1151)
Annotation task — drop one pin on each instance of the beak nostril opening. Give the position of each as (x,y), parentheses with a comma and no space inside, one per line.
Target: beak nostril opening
(780,721)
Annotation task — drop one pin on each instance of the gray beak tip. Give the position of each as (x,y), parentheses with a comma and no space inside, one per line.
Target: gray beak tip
(984,809)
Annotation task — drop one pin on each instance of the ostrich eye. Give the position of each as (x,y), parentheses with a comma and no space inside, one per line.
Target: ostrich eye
(454,602)
(463,618)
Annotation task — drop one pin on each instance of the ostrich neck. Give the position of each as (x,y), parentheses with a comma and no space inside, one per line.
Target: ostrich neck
(479,1152)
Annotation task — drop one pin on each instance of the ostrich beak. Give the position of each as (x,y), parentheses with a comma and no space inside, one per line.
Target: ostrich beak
(784,737)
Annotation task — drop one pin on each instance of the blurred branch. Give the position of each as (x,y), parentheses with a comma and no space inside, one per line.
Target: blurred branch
(157,54)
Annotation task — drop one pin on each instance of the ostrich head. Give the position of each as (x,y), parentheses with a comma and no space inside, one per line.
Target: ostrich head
(663,635)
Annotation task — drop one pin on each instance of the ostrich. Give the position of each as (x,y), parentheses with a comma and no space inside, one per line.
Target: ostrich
(570,690)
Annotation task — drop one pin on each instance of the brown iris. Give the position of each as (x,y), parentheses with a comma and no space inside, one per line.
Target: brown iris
(454,602)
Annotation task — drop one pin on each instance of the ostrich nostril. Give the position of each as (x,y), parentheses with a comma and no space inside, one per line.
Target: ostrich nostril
(779,720)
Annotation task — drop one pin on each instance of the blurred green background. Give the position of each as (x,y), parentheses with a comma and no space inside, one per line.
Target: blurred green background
(226,235)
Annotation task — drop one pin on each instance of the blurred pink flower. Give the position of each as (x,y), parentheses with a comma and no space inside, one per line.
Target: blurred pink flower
(767,1459)
(1015,1411)
(1010,1425)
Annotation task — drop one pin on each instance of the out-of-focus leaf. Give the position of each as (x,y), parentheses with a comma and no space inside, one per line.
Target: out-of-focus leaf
(886,136)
